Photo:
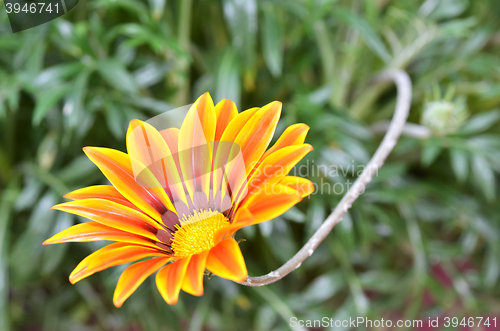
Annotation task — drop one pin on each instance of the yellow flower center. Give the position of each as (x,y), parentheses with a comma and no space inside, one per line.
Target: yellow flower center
(196,232)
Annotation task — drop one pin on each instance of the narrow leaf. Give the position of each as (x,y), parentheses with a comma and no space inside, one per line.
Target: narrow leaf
(115,73)
(459,164)
(484,176)
(272,41)
(369,35)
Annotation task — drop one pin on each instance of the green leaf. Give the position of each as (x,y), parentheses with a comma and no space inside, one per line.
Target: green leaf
(369,35)
(52,255)
(430,152)
(31,190)
(445,9)
(345,231)
(13,98)
(228,79)
(46,100)
(279,304)
(295,215)
(319,290)
(484,176)
(491,267)
(150,103)
(272,40)
(138,8)
(459,163)
(55,75)
(2,110)
(266,318)
(157,8)
(115,73)
(78,169)
(241,17)
(27,250)
(9,195)
(115,120)
(73,108)
(150,74)
(480,122)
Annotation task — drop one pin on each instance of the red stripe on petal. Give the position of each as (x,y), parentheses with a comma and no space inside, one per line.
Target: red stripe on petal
(107,192)
(92,231)
(110,256)
(148,196)
(196,134)
(256,135)
(112,214)
(150,153)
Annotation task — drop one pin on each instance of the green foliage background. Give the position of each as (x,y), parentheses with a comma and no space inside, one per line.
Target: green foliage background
(422,241)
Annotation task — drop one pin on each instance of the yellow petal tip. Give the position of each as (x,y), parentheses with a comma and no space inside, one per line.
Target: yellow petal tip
(72,280)
(117,303)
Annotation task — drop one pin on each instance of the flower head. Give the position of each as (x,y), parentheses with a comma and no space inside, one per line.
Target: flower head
(179,195)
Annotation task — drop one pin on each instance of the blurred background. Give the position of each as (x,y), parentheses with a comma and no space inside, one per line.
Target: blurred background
(422,241)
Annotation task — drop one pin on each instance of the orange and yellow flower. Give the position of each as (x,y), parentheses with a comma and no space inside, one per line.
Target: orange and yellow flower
(179,195)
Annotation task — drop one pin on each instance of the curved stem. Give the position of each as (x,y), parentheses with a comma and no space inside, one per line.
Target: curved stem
(409,130)
(403,84)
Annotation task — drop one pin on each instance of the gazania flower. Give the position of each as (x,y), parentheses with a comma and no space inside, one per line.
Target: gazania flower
(179,195)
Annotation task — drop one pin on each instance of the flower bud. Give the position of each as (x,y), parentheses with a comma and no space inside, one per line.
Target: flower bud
(444,117)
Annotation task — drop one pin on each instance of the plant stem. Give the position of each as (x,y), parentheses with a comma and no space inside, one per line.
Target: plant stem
(404,87)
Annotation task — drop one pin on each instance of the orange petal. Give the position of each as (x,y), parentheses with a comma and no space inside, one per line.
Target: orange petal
(229,171)
(112,214)
(107,192)
(110,256)
(133,276)
(171,137)
(225,260)
(302,185)
(277,165)
(116,166)
(205,109)
(193,280)
(270,201)
(92,231)
(170,278)
(234,127)
(293,135)
(242,218)
(256,135)
(196,133)
(225,111)
(146,145)
(148,149)
(227,155)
